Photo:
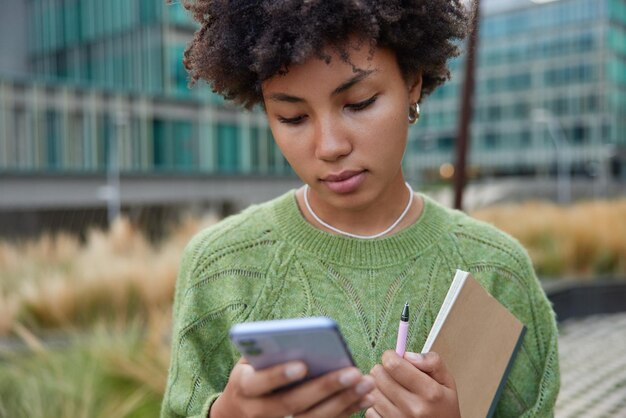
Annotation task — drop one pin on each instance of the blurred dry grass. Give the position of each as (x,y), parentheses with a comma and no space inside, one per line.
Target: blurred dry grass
(57,282)
(103,373)
(587,239)
(93,320)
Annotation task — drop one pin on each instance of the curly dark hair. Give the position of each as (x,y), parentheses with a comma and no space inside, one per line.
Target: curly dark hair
(241,43)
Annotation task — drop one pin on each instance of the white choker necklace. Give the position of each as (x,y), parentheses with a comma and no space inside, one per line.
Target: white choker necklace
(348,234)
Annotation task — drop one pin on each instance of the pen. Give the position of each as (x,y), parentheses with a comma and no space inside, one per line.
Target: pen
(403,329)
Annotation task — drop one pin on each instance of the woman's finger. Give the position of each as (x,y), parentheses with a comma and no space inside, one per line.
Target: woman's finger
(382,407)
(365,402)
(432,364)
(301,398)
(371,413)
(413,391)
(345,402)
(392,395)
(406,374)
(253,383)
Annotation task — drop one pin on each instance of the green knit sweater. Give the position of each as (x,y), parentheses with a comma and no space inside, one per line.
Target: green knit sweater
(268,263)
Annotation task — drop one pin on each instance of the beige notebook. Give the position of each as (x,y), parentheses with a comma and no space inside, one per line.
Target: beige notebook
(477,338)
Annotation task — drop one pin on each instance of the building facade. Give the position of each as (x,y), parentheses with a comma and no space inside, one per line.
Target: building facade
(96,90)
(96,118)
(550,75)
(109,75)
(550,86)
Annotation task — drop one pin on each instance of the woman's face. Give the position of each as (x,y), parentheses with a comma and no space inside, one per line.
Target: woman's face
(344,132)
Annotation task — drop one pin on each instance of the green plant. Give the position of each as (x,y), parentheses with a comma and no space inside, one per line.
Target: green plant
(101,374)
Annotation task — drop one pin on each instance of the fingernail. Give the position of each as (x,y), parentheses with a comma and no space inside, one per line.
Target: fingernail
(413,356)
(364,387)
(367,402)
(294,371)
(349,377)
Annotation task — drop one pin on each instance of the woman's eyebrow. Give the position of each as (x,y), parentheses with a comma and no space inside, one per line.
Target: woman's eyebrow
(351,82)
(283,97)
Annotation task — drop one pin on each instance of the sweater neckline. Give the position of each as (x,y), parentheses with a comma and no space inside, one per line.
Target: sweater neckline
(409,243)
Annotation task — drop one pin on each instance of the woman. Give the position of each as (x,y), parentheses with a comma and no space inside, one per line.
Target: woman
(340,82)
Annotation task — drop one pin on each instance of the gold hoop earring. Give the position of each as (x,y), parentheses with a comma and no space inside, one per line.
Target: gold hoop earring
(414,113)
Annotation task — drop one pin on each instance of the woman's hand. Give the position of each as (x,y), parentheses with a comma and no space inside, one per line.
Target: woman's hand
(418,385)
(249,393)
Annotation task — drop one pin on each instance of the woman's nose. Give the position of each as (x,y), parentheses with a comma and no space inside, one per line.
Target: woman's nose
(332,141)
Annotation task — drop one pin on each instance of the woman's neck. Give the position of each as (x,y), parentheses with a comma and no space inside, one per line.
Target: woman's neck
(370,218)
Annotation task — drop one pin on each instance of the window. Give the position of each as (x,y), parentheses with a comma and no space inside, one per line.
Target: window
(569,75)
(520,110)
(53,140)
(149,10)
(560,106)
(579,134)
(227,148)
(445,143)
(494,113)
(525,139)
(159,146)
(491,141)
(184,147)
(178,74)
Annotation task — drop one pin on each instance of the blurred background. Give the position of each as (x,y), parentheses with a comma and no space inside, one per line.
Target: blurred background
(109,163)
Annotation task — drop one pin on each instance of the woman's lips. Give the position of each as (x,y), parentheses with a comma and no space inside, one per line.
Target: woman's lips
(345,182)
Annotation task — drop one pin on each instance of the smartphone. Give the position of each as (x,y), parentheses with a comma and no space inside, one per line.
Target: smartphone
(316,341)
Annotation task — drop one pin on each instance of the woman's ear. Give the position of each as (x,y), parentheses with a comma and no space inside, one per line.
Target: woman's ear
(415,88)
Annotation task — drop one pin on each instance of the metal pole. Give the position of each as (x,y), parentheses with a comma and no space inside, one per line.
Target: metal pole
(463,138)
(564,186)
(113,169)
(113,181)
(562,154)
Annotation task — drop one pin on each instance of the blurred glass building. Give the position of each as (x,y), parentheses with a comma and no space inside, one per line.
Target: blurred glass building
(96,117)
(551,75)
(90,68)
(92,91)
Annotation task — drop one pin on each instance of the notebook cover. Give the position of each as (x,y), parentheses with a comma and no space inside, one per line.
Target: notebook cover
(478,342)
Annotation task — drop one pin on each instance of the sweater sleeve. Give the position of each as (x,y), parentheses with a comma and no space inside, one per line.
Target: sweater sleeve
(543,394)
(534,380)
(216,286)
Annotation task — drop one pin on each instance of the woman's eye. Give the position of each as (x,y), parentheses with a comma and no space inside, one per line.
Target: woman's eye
(291,121)
(362,105)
